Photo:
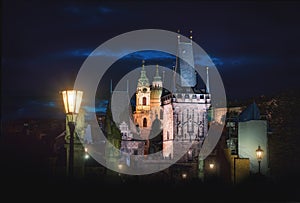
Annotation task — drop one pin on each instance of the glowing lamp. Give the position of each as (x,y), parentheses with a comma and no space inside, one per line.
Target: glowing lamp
(259,156)
(259,153)
(72,101)
(120,166)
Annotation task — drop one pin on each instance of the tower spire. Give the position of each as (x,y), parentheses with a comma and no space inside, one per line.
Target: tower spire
(143,80)
(143,65)
(178,36)
(191,35)
(207,80)
(157,74)
(157,81)
(110,86)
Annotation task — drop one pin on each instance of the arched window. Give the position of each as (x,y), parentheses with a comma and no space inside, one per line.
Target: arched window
(144,101)
(145,122)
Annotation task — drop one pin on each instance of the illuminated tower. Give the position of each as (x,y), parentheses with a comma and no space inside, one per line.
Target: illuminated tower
(185,109)
(142,111)
(155,95)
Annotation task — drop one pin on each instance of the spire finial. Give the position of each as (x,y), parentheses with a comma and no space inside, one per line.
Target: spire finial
(157,70)
(191,34)
(178,36)
(207,79)
(143,65)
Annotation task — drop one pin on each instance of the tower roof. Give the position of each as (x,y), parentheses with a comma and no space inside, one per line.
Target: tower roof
(185,64)
(250,113)
(143,80)
(157,77)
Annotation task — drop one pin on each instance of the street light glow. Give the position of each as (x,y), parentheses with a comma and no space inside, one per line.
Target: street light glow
(259,153)
(120,166)
(72,100)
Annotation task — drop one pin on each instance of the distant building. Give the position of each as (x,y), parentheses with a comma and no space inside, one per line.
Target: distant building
(163,120)
(253,132)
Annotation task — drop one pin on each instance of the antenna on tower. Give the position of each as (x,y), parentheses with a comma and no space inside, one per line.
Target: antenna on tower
(110,86)
(127,84)
(191,35)
(207,80)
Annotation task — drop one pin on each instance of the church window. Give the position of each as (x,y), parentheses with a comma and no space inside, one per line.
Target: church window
(144,101)
(145,122)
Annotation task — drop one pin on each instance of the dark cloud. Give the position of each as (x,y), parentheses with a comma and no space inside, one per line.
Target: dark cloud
(44,43)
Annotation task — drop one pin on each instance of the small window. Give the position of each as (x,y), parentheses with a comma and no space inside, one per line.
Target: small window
(145,122)
(144,101)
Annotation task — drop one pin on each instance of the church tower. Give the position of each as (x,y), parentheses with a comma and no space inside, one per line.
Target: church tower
(143,92)
(142,112)
(155,95)
(185,109)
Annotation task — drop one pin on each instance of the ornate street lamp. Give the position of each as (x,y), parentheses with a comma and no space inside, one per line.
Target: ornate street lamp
(72,101)
(259,156)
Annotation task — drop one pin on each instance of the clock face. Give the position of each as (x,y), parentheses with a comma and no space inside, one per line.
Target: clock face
(145,90)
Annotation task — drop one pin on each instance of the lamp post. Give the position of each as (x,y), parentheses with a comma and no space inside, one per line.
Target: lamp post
(72,100)
(259,156)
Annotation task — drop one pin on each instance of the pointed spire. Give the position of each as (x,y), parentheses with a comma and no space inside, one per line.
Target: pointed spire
(110,86)
(127,84)
(207,80)
(143,65)
(143,80)
(157,79)
(191,35)
(157,74)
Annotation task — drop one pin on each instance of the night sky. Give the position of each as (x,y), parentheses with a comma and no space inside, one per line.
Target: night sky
(254,45)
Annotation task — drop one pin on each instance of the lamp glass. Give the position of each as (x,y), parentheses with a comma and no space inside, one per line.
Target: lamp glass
(72,100)
(259,153)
